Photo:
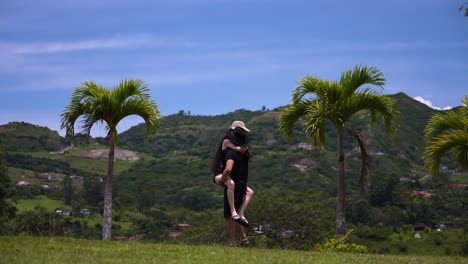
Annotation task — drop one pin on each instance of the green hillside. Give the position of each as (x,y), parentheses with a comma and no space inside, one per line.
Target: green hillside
(185,144)
(166,180)
(20,136)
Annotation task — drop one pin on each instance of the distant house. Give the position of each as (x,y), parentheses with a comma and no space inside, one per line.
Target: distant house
(85,212)
(459,185)
(446,171)
(178,230)
(303,146)
(45,176)
(136,237)
(120,238)
(300,167)
(22,183)
(174,234)
(421,227)
(63,212)
(423,194)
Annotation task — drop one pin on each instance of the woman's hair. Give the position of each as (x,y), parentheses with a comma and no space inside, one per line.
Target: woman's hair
(219,155)
(217,159)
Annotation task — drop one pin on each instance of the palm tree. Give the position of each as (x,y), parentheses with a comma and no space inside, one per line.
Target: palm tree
(317,102)
(96,104)
(447,132)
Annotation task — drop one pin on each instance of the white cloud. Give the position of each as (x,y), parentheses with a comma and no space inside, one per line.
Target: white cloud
(117,41)
(429,103)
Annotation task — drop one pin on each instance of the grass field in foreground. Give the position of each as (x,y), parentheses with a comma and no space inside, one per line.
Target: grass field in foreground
(26,249)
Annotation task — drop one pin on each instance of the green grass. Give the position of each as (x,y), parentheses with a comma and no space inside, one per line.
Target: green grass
(90,165)
(29,204)
(459,178)
(26,249)
(50,205)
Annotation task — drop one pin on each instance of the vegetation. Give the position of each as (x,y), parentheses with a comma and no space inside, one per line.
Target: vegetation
(96,104)
(447,132)
(42,201)
(26,249)
(337,102)
(20,136)
(7,208)
(295,187)
(340,245)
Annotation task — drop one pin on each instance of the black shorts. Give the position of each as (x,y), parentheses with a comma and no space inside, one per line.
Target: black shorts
(239,195)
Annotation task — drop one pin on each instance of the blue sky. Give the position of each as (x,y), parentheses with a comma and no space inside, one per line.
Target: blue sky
(211,57)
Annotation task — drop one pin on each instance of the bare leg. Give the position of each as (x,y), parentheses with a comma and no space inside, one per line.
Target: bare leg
(229,183)
(248,196)
(244,240)
(230,196)
(231,232)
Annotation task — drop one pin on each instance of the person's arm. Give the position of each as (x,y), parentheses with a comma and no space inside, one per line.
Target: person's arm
(228,144)
(227,170)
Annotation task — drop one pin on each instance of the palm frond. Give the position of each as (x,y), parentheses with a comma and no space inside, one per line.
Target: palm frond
(383,109)
(315,121)
(96,104)
(456,140)
(314,87)
(439,123)
(288,117)
(352,80)
(146,109)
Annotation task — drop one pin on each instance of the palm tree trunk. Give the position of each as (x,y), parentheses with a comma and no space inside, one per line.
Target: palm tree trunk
(340,196)
(107,216)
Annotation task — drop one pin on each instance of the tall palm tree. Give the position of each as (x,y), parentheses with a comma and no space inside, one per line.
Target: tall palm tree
(447,132)
(317,102)
(96,104)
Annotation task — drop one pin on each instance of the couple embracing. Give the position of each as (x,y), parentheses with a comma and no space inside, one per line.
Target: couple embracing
(230,169)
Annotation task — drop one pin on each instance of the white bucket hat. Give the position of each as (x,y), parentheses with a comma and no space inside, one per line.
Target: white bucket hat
(240,124)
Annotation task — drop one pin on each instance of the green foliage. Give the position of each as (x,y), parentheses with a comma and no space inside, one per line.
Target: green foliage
(154,225)
(340,245)
(42,201)
(447,132)
(21,136)
(41,164)
(96,104)
(68,193)
(38,221)
(176,181)
(7,207)
(289,219)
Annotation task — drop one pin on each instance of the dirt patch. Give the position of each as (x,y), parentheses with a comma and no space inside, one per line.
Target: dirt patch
(104,153)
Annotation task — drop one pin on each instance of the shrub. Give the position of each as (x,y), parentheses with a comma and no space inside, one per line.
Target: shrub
(464,248)
(340,245)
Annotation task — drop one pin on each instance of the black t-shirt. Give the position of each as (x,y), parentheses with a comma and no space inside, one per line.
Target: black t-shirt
(240,170)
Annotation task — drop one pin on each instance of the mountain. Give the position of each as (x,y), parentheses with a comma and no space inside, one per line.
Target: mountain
(185,144)
(21,136)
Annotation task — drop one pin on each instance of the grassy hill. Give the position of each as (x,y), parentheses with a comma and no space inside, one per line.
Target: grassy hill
(20,136)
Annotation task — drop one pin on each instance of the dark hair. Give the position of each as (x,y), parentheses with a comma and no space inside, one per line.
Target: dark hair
(235,139)
(217,159)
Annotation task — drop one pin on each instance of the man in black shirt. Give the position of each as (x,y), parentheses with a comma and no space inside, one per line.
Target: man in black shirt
(236,167)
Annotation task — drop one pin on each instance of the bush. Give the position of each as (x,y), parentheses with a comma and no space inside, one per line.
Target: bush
(340,245)
(464,248)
